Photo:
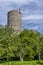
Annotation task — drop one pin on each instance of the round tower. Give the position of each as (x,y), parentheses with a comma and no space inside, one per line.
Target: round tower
(15,20)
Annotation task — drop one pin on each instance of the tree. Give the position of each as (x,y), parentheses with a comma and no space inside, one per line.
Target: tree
(27,43)
(24,44)
(6,45)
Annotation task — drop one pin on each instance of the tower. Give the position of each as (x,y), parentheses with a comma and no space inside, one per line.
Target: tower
(15,20)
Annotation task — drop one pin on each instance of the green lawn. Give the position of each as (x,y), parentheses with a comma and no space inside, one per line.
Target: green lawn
(23,63)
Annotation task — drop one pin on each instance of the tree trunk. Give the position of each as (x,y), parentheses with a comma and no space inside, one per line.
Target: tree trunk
(39,56)
(21,58)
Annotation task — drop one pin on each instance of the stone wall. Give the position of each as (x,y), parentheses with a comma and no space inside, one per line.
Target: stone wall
(15,20)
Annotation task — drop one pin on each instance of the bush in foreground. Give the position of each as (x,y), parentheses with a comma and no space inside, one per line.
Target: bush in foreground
(23,63)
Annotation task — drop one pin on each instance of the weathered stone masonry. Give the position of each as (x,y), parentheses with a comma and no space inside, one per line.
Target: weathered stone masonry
(15,20)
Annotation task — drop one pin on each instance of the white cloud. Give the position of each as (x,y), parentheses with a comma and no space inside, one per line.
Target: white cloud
(35,28)
(16,1)
(33,17)
(19,1)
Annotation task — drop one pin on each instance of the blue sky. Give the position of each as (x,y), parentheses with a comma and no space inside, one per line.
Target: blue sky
(32,12)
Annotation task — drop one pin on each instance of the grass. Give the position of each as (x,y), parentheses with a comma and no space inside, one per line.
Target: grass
(22,63)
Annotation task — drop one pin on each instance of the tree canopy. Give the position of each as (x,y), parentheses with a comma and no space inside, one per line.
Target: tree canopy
(25,46)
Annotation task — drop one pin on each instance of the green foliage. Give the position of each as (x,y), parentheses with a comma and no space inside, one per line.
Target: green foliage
(25,45)
(23,63)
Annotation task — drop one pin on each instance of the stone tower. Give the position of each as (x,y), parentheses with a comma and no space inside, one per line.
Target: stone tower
(15,20)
